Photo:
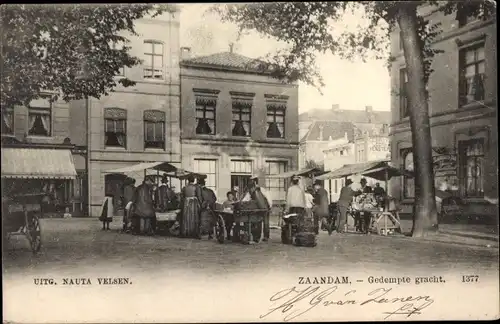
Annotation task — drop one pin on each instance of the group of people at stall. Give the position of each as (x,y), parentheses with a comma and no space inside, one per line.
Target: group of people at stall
(313,203)
(195,206)
(347,194)
(310,204)
(259,199)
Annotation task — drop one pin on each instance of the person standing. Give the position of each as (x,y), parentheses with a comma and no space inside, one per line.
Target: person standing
(295,199)
(321,204)
(191,205)
(263,200)
(379,194)
(345,199)
(128,195)
(144,211)
(364,187)
(309,202)
(208,205)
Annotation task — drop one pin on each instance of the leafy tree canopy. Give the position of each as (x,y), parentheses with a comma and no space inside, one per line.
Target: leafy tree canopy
(75,50)
(306,27)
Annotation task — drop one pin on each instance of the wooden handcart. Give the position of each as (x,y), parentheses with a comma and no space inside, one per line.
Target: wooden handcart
(242,220)
(21,216)
(168,222)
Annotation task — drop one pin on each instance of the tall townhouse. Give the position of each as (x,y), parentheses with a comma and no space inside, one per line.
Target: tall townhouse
(135,124)
(40,154)
(237,122)
(463,111)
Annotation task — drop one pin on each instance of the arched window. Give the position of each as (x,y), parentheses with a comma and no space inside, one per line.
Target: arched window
(408,182)
(115,127)
(153,59)
(154,129)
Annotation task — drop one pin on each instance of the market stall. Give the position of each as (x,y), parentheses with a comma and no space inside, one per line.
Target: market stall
(165,219)
(382,220)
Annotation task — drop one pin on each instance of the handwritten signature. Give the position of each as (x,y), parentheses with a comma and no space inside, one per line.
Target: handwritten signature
(294,302)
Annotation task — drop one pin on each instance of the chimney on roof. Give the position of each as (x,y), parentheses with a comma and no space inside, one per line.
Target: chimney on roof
(185,53)
(231,45)
(369,109)
(335,107)
(320,137)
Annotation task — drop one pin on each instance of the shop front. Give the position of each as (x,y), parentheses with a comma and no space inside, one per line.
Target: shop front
(49,172)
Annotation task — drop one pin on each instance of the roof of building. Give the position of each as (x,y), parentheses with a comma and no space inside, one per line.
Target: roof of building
(225,60)
(331,129)
(342,115)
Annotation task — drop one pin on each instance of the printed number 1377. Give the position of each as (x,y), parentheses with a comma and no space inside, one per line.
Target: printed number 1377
(470,278)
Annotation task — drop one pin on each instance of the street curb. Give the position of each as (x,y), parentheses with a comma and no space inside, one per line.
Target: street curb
(485,245)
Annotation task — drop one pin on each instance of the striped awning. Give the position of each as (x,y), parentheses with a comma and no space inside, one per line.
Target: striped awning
(35,163)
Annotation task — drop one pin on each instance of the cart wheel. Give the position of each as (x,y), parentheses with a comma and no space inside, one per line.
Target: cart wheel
(220,229)
(34,233)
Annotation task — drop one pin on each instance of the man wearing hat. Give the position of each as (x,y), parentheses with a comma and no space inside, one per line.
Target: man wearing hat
(321,204)
(345,199)
(263,200)
(144,211)
(165,194)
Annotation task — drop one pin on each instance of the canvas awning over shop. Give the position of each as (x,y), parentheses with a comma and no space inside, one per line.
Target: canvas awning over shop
(301,173)
(165,167)
(35,163)
(159,166)
(358,168)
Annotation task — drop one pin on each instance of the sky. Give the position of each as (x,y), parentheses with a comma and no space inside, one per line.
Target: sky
(352,85)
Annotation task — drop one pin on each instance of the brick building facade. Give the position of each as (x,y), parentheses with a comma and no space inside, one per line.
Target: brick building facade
(135,124)
(236,122)
(462,108)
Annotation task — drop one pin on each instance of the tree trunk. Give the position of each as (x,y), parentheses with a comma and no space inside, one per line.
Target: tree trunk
(425,213)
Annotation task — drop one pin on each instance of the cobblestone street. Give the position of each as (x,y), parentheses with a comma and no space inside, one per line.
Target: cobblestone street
(80,242)
(219,278)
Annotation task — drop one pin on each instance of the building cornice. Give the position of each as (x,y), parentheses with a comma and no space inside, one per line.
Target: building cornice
(470,107)
(239,142)
(203,77)
(447,122)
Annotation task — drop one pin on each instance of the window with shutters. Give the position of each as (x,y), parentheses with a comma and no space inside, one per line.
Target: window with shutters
(205,115)
(115,127)
(154,129)
(472,70)
(153,60)
(471,161)
(40,117)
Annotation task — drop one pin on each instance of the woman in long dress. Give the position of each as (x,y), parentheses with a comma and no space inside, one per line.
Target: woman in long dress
(191,205)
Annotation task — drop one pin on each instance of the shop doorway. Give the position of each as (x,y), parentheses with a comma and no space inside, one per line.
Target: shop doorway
(113,184)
